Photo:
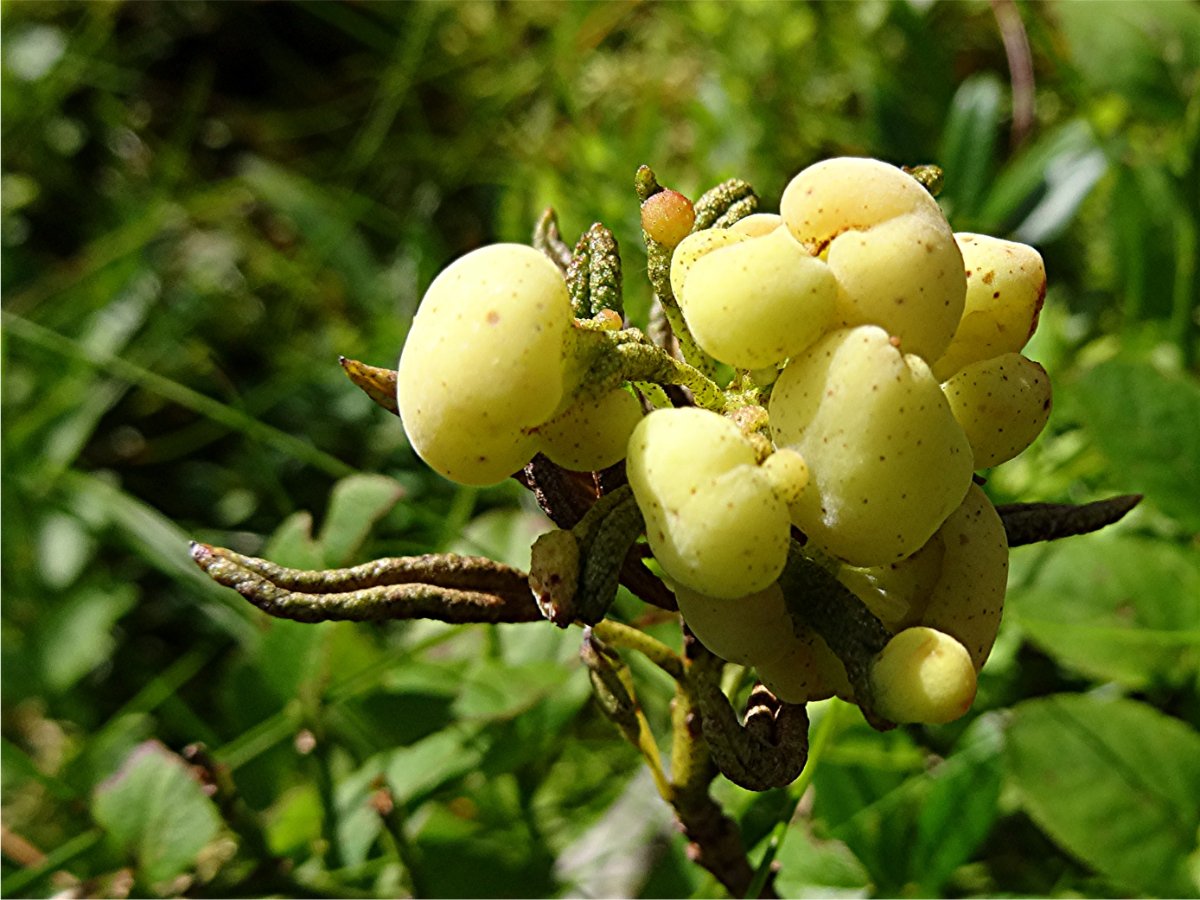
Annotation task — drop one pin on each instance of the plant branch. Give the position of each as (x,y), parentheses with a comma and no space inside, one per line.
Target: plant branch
(548,239)
(613,686)
(378,384)
(714,840)
(1020,68)
(620,635)
(493,593)
(814,596)
(1029,523)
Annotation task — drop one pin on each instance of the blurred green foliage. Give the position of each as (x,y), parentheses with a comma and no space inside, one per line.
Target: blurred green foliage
(204,204)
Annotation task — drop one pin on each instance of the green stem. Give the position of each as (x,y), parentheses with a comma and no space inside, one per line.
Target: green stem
(692,768)
(646,362)
(396,825)
(548,239)
(18,883)
(621,635)
(321,755)
(658,270)
(613,686)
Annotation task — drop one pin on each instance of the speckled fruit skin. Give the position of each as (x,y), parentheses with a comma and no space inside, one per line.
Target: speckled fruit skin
(1002,405)
(888,245)
(713,519)
(756,302)
(1006,286)
(968,599)
(757,224)
(887,460)
(955,583)
(807,670)
(592,433)
(694,247)
(923,676)
(744,630)
(898,592)
(485,362)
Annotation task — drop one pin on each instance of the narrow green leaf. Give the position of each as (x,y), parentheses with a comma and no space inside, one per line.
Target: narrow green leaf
(161,543)
(1113,782)
(231,417)
(1023,183)
(1146,212)
(157,812)
(17,767)
(19,882)
(326,218)
(1068,180)
(969,144)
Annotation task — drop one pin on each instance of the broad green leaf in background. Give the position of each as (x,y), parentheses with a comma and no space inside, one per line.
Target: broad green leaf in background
(493,689)
(75,636)
(358,819)
(154,809)
(502,534)
(355,506)
(292,544)
(1117,607)
(291,650)
(960,805)
(1115,783)
(865,794)
(611,858)
(1147,424)
(911,828)
(414,771)
(479,846)
(64,548)
(812,867)
(295,820)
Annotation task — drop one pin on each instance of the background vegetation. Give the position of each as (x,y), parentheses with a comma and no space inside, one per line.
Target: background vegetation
(204,204)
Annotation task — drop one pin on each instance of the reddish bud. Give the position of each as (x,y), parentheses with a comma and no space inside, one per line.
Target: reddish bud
(668,217)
